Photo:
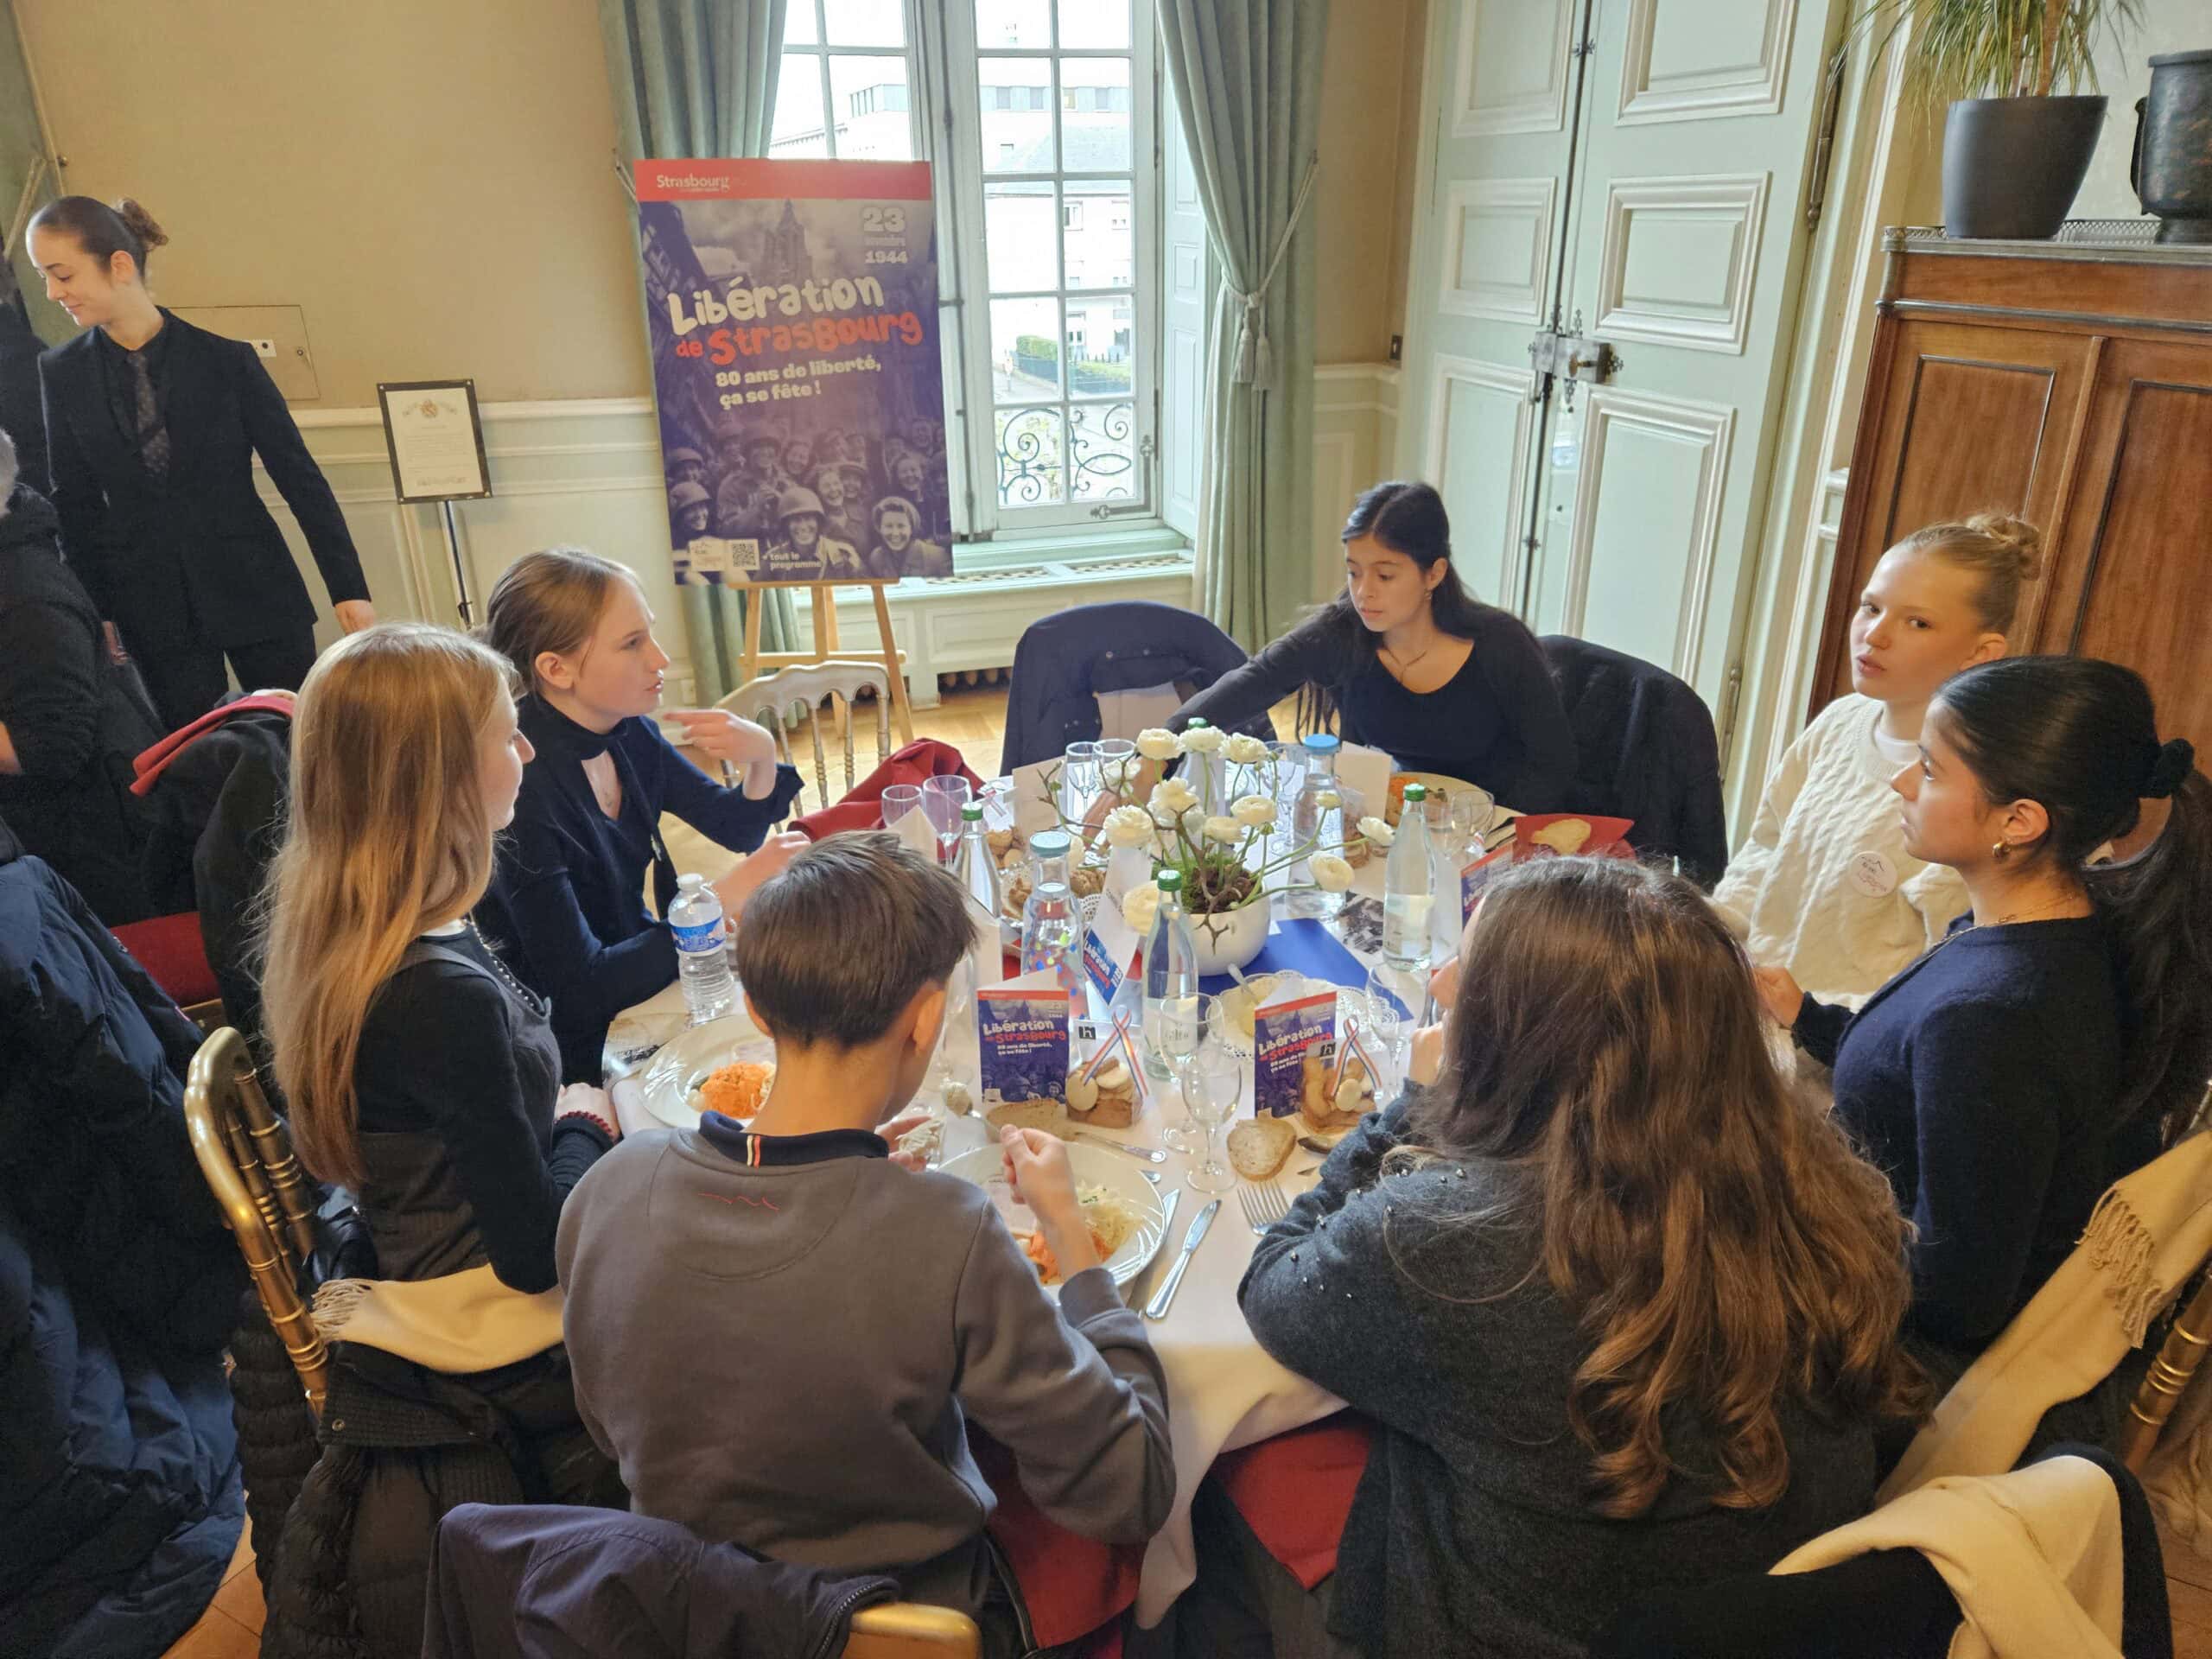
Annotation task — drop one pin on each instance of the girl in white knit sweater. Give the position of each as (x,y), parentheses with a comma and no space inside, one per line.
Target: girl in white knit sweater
(1823,886)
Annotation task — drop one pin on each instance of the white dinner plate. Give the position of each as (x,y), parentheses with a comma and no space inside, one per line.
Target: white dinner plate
(668,1080)
(1091,1167)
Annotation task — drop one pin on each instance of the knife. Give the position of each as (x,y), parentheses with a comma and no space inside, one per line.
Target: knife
(1157,1308)
(1147,1154)
(1166,1220)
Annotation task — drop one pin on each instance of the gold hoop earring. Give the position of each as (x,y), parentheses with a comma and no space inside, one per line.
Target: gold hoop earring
(2001,851)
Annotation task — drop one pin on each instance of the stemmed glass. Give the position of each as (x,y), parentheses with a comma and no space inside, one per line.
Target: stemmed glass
(1176,1032)
(942,798)
(1393,1006)
(897,800)
(1079,780)
(1213,1084)
(1117,769)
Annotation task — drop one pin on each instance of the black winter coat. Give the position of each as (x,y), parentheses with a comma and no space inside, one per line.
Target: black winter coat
(215,819)
(526,1582)
(1648,752)
(402,1446)
(74,718)
(119,1503)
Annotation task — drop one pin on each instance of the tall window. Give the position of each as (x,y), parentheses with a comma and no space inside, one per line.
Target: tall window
(843,91)
(1041,136)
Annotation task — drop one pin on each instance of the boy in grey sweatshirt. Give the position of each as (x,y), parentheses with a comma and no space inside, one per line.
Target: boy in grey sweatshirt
(781,1334)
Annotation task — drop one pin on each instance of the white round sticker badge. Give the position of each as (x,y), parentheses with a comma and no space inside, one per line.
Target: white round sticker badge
(1873,874)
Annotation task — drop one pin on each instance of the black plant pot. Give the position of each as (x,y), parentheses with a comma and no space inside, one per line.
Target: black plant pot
(2013,165)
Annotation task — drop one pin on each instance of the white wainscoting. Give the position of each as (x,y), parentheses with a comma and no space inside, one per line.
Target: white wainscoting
(587,471)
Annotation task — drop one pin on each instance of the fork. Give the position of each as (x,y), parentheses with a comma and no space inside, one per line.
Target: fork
(1264,1205)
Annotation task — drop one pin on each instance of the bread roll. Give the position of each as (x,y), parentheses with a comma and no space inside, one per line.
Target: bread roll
(1259,1148)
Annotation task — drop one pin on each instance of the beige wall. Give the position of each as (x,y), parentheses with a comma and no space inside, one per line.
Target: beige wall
(429,180)
(1364,216)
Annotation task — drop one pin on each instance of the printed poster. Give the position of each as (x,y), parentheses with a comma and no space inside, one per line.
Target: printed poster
(1022,1039)
(1295,1044)
(794,319)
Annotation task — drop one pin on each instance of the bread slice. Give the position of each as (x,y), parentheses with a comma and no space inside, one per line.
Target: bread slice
(1259,1147)
(1042,1114)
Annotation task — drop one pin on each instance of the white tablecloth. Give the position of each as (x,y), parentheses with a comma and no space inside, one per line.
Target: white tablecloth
(1224,1391)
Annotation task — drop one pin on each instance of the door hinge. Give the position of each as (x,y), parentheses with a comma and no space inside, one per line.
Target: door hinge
(1730,697)
(1816,196)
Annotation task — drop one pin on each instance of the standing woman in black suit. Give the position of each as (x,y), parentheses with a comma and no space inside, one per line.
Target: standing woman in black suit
(152,426)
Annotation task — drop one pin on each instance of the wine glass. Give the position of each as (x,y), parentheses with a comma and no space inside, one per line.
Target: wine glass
(897,800)
(1213,1084)
(1079,780)
(1176,1028)
(1393,1003)
(1117,769)
(942,798)
(1472,810)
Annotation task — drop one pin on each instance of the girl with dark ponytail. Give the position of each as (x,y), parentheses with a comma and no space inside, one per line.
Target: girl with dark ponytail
(2060,1035)
(1405,659)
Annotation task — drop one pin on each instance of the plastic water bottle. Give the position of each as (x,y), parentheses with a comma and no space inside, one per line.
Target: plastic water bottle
(1170,968)
(1052,922)
(973,866)
(1408,888)
(1316,825)
(701,950)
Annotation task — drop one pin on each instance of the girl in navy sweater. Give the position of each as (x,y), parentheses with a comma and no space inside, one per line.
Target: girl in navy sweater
(568,900)
(2061,1034)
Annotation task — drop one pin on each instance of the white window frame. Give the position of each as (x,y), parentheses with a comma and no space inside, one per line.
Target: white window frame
(943,108)
(961,182)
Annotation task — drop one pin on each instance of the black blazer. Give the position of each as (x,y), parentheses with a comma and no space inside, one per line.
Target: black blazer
(200,545)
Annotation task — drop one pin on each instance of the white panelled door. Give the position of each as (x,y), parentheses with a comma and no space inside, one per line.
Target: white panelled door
(1633,173)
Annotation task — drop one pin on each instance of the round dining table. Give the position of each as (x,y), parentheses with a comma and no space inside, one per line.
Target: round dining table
(1223,1390)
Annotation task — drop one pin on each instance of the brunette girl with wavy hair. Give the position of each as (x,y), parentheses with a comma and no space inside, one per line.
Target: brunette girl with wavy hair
(1624,1306)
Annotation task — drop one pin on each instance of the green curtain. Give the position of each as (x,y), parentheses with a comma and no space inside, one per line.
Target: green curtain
(1246,79)
(697,79)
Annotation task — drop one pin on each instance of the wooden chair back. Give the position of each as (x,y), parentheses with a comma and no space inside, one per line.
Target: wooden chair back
(910,1629)
(770,699)
(246,1157)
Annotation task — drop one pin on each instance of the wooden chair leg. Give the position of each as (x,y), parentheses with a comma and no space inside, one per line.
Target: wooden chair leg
(2179,1356)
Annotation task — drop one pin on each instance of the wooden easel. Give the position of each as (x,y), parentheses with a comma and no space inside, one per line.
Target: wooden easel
(825,642)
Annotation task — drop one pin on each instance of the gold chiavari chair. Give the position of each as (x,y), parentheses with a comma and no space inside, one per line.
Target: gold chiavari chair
(245,1156)
(910,1629)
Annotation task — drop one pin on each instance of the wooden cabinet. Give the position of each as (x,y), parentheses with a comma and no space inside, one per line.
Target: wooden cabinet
(2069,383)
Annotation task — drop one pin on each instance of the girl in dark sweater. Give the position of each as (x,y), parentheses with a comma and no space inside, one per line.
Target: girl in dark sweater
(568,896)
(1622,1308)
(2061,1034)
(420,1071)
(1408,662)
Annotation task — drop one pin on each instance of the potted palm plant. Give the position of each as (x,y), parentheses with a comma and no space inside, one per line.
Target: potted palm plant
(2020,131)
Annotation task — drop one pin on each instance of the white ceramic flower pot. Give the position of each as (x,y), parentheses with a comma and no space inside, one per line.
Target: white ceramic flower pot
(1231,939)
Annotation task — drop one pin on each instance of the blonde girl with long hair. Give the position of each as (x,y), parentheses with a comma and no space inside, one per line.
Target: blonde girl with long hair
(1624,1306)
(1824,885)
(420,1071)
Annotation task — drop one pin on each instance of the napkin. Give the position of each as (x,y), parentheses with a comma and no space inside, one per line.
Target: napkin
(915,831)
(1368,771)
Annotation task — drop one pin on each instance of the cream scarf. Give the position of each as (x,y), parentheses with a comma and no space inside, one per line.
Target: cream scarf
(459,1323)
(2148,1235)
